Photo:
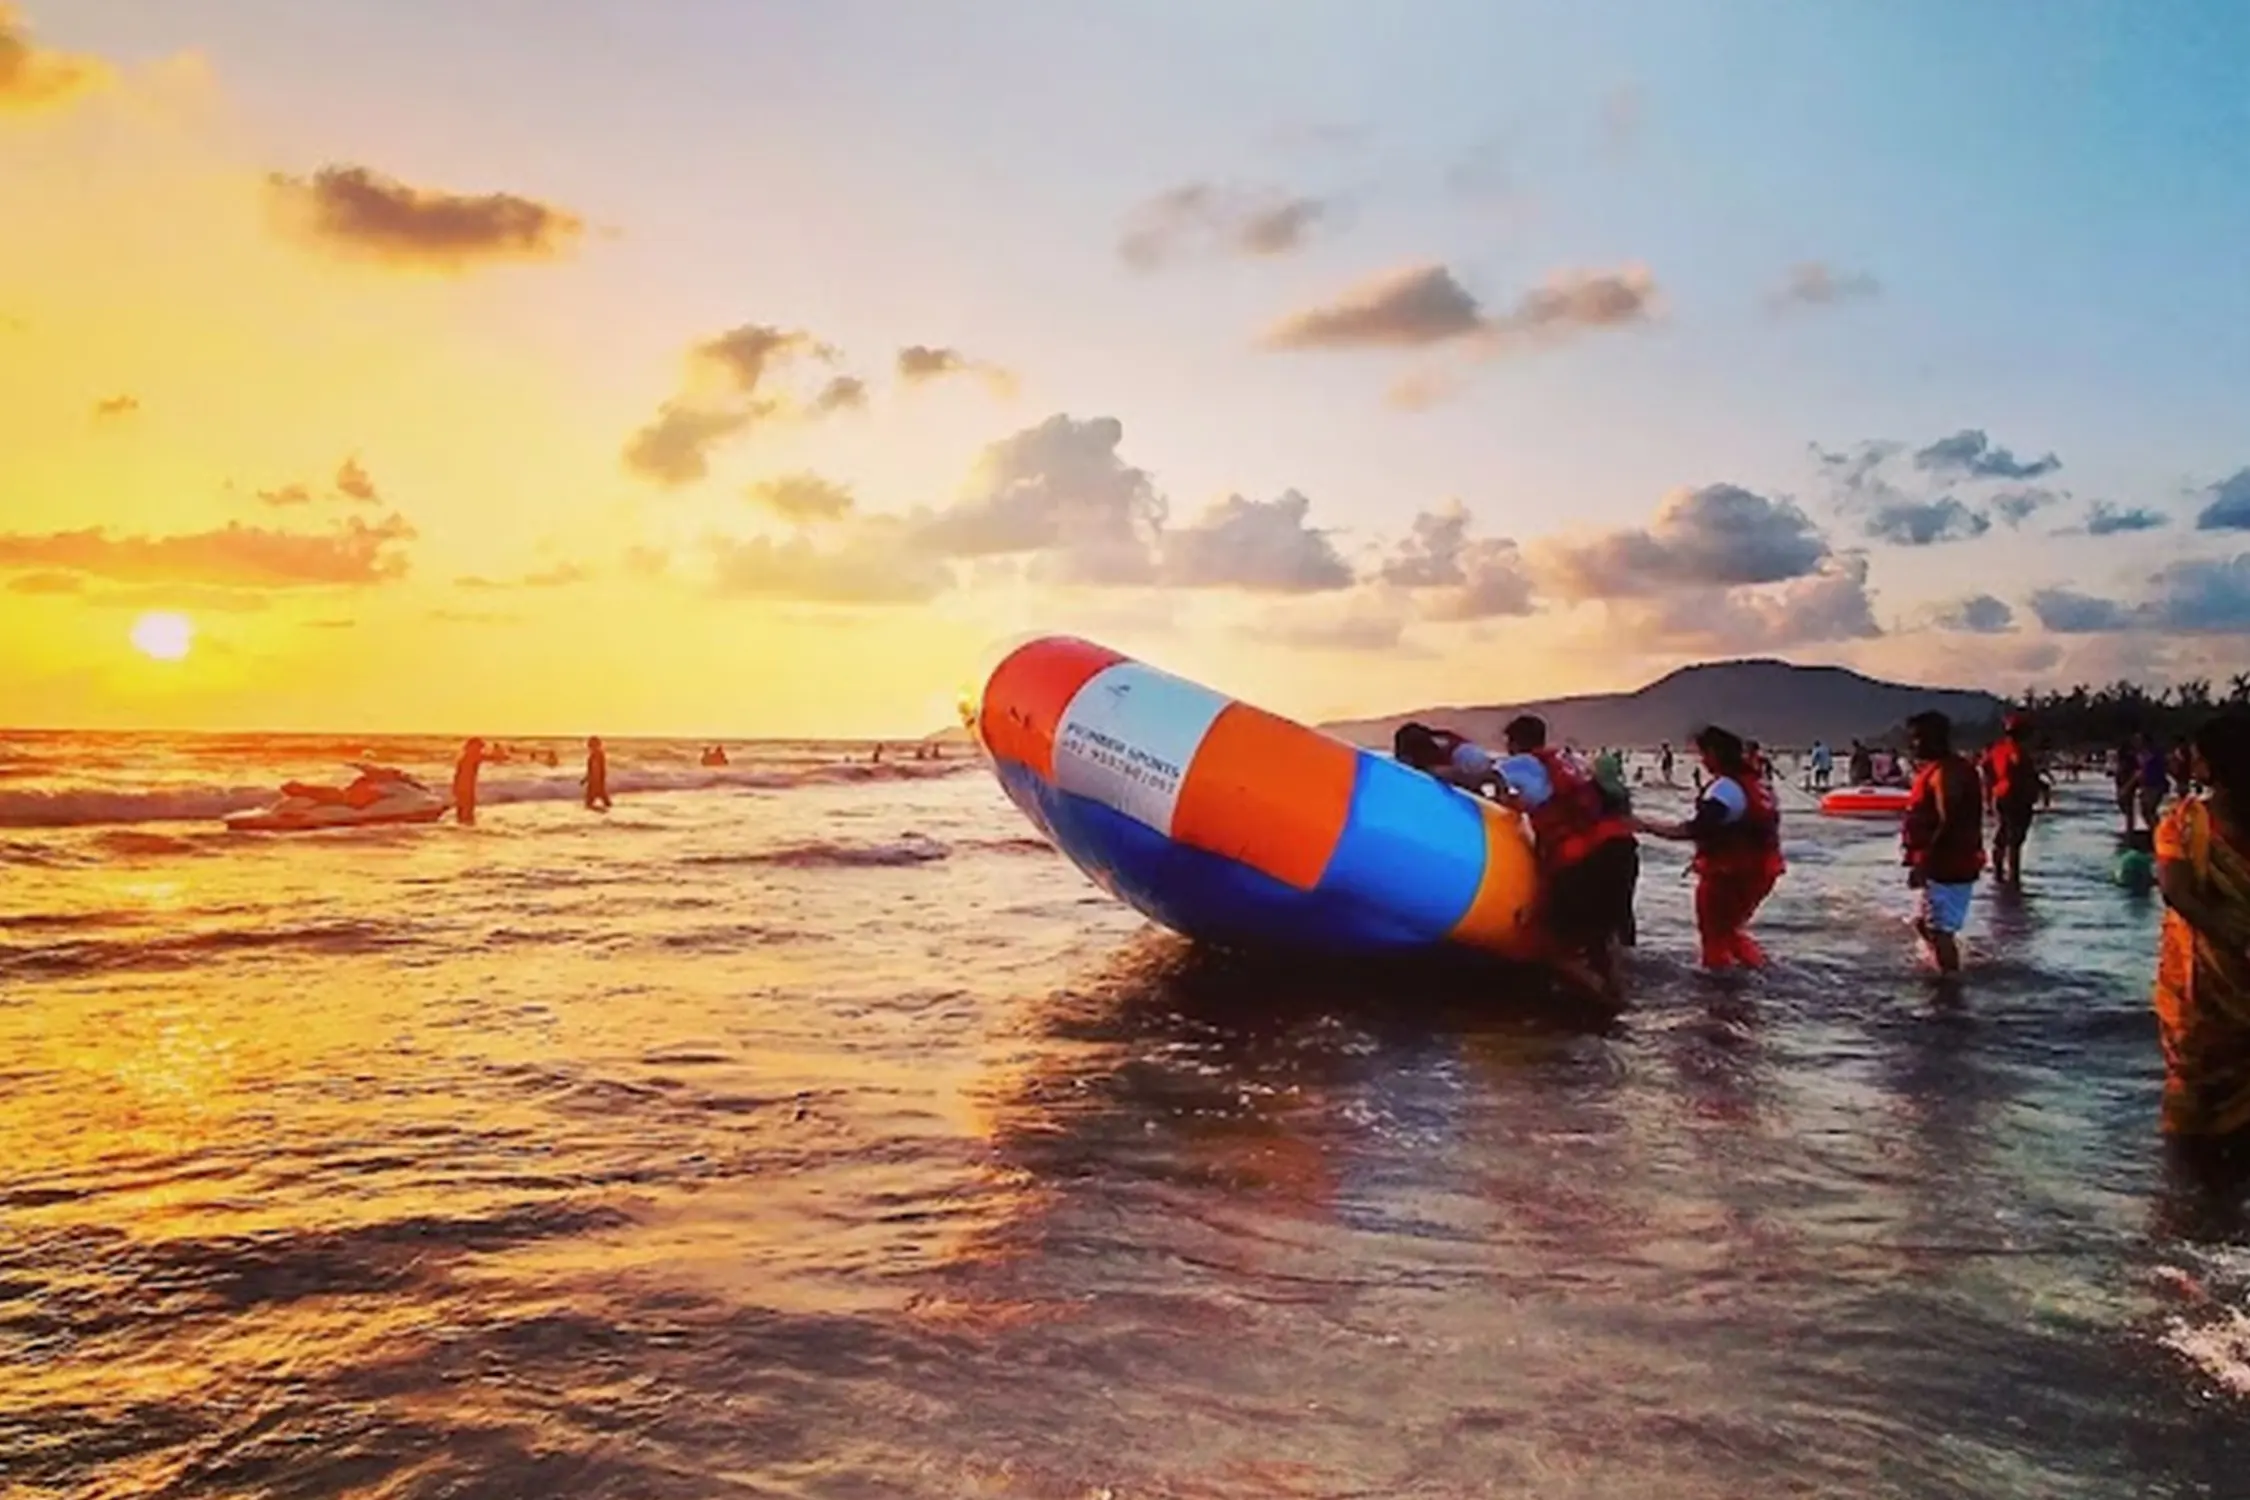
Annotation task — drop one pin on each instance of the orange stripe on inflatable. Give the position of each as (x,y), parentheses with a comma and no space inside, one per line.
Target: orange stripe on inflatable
(1025,697)
(1270,793)
(1511,880)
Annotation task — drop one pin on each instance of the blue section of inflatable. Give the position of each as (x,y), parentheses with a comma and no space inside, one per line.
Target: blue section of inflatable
(1210,897)
(1412,845)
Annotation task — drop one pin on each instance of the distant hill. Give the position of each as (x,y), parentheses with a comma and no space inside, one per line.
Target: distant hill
(1774,701)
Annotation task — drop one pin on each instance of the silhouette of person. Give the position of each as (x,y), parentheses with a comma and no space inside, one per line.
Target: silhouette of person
(465,780)
(597,775)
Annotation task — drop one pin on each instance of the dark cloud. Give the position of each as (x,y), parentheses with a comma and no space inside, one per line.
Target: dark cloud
(361,213)
(1459,577)
(2068,612)
(1970,454)
(2014,507)
(2229,509)
(918,363)
(2104,519)
(1813,284)
(675,448)
(37,78)
(1259,546)
(47,584)
(1718,536)
(875,564)
(109,408)
(1058,489)
(287,495)
(1981,614)
(233,556)
(725,390)
(1924,523)
(1207,218)
(1426,305)
(353,484)
(803,498)
(843,393)
(1829,605)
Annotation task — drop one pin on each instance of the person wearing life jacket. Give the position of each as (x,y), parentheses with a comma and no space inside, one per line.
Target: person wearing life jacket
(2013,786)
(1589,861)
(1736,830)
(1942,837)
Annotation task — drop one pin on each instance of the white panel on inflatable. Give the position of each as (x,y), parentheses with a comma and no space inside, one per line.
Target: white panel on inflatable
(1127,737)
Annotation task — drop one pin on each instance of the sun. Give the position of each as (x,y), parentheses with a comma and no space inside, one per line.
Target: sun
(163,636)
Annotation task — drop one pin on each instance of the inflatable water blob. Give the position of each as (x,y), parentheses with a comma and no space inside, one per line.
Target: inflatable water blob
(1237,827)
(1866,802)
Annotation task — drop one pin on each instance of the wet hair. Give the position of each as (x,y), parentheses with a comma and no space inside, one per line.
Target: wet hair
(1933,729)
(1725,747)
(1416,745)
(2224,743)
(1527,730)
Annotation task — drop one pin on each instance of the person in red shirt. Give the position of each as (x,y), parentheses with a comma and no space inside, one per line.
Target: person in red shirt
(2013,788)
(1736,831)
(1942,836)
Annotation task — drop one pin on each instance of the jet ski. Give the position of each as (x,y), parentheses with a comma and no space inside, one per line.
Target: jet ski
(377,795)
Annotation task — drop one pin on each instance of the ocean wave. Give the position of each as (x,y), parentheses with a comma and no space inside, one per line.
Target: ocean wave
(914,849)
(88,807)
(103,956)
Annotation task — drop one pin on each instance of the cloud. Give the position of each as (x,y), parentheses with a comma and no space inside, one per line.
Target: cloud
(2069,612)
(1718,536)
(1980,614)
(561,575)
(1360,626)
(331,624)
(1830,605)
(362,214)
(918,363)
(1422,306)
(46,584)
(2229,509)
(647,562)
(353,484)
(1058,489)
(875,564)
(1258,546)
(196,597)
(110,408)
(1970,454)
(2104,519)
(34,78)
(2014,507)
(1813,284)
(723,391)
(1208,218)
(355,553)
(803,498)
(287,495)
(474,617)
(1622,118)
(1456,576)
(1924,523)
(843,393)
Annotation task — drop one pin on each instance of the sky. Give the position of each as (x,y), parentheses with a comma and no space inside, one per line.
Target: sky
(580,366)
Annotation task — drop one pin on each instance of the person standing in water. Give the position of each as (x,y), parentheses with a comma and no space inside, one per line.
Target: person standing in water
(2013,789)
(1736,830)
(2202,994)
(465,780)
(1942,837)
(597,775)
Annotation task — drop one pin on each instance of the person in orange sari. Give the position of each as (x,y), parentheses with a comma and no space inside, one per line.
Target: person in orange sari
(2203,966)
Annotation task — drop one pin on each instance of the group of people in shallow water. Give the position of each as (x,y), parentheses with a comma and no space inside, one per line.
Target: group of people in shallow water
(1586,833)
(476,755)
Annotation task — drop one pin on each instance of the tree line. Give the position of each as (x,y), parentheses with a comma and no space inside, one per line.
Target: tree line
(2091,718)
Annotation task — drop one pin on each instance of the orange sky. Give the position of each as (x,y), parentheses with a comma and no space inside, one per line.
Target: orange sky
(426,420)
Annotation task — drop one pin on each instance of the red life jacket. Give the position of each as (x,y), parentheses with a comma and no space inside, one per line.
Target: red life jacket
(1954,856)
(1749,848)
(1575,820)
(2014,782)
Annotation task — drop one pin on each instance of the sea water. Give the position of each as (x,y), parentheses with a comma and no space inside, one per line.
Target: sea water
(807,1127)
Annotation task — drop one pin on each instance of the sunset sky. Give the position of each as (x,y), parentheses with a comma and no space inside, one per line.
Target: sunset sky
(565,366)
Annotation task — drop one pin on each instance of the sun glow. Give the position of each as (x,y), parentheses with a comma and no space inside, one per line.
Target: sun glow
(163,636)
